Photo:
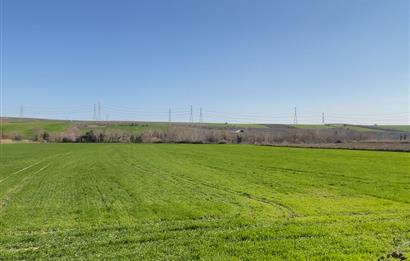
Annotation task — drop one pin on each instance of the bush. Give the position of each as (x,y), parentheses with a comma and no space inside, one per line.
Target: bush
(89,136)
(65,139)
(136,138)
(46,136)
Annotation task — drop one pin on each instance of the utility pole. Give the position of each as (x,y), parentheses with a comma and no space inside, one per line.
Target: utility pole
(169,116)
(323,118)
(95,112)
(21,111)
(191,116)
(99,111)
(200,115)
(295,117)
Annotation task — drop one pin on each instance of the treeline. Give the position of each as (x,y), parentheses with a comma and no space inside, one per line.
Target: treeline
(195,134)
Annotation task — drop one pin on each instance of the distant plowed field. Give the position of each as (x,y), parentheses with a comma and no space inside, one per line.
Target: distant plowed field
(213,202)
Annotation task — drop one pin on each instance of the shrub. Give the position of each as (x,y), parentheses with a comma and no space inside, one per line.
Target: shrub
(46,136)
(136,138)
(89,136)
(66,139)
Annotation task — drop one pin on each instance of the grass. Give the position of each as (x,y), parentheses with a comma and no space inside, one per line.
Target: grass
(314,126)
(211,202)
(27,128)
(396,127)
(129,127)
(362,128)
(238,126)
(359,128)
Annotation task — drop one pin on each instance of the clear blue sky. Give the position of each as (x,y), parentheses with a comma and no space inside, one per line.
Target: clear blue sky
(238,60)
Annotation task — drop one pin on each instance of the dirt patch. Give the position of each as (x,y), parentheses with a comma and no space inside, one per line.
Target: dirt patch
(6,141)
(10,141)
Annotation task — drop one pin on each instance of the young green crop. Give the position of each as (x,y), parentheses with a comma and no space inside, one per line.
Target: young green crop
(212,202)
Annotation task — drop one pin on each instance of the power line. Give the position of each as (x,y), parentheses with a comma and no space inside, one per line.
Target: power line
(122,109)
(244,116)
(369,115)
(58,108)
(249,114)
(184,114)
(138,109)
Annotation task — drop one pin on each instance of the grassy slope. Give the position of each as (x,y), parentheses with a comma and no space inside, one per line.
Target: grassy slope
(231,125)
(135,128)
(313,126)
(168,201)
(361,128)
(396,127)
(27,128)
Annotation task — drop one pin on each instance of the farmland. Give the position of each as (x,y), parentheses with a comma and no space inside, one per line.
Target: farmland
(28,128)
(213,202)
(384,137)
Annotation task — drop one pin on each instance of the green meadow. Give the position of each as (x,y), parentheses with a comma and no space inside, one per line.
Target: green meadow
(359,128)
(27,128)
(208,202)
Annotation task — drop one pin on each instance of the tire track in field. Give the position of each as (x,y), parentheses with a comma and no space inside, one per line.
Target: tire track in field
(21,170)
(174,178)
(147,168)
(33,165)
(165,175)
(286,210)
(17,188)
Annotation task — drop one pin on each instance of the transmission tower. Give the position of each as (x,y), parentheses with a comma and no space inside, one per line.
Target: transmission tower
(191,116)
(21,111)
(323,118)
(201,120)
(169,115)
(295,117)
(99,111)
(95,112)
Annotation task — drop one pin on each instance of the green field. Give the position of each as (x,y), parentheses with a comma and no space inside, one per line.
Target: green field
(27,128)
(360,128)
(31,129)
(396,127)
(210,202)
(129,127)
(234,126)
